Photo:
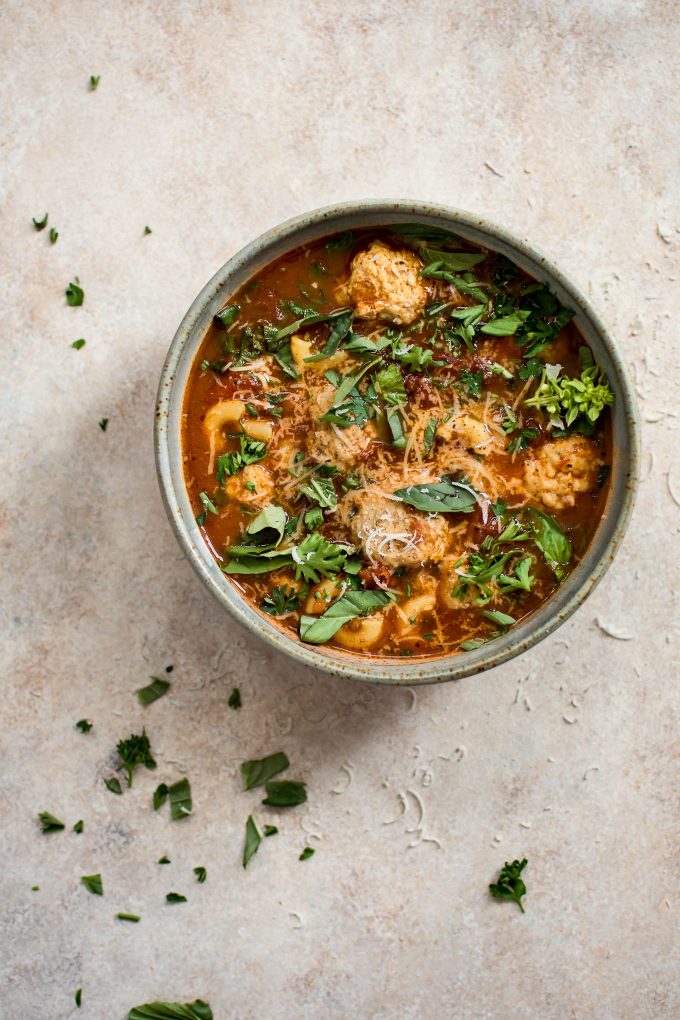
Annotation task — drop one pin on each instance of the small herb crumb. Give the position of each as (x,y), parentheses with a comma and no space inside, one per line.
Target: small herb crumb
(94,82)
(77,344)
(103,422)
(40,224)
(35,888)
(93,884)
(134,751)
(54,234)
(75,295)
(135,918)
(113,785)
(510,886)
(175,897)
(79,997)
(153,691)
(270,830)
(164,860)
(84,725)
(235,698)
(147,230)
(79,826)
(48,823)
(201,874)
(169,669)
(308,852)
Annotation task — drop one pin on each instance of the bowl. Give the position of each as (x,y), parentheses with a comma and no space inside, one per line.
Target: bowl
(373,669)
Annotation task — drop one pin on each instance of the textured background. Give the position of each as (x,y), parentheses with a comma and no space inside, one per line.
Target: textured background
(212,122)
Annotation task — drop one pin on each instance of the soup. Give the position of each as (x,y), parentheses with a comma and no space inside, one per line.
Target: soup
(396,443)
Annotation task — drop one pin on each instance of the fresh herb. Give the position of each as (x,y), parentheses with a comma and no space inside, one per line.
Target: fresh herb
(473,383)
(429,435)
(93,884)
(79,826)
(339,330)
(320,491)
(546,320)
(84,725)
(529,369)
(77,344)
(319,629)
(573,398)
(147,230)
(40,224)
(103,422)
(259,771)
(153,691)
(416,358)
(54,235)
(308,852)
(315,557)
(510,886)
(79,997)
(175,897)
(250,452)
(208,503)
(197,1010)
(253,840)
(48,823)
(113,785)
(180,799)
(270,830)
(280,601)
(341,242)
(234,698)
(521,441)
(350,382)
(164,860)
(445,496)
(94,81)
(160,795)
(134,751)
(550,539)
(502,619)
(452,261)
(201,874)
(75,295)
(313,518)
(505,325)
(498,369)
(308,317)
(134,919)
(285,793)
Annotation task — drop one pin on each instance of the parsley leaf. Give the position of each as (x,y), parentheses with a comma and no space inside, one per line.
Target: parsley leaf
(270,830)
(473,383)
(279,601)
(175,897)
(103,423)
(84,725)
(510,886)
(77,344)
(79,997)
(259,771)
(135,751)
(135,919)
(48,823)
(93,884)
(113,785)
(78,827)
(180,799)
(308,852)
(153,691)
(54,234)
(94,81)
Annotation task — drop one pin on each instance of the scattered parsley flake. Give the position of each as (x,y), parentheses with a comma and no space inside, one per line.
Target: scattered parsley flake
(48,823)
(270,830)
(308,852)
(79,997)
(93,884)
(54,234)
(84,725)
(134,751)
(164,860)
(234,698)
(510,886)
(75,295)
(79,826)
(153,691)
(253,840)
(77,344)
(103,422)
(135,918)
(175,897)
(113,784)
(147,230)
(40,224)
(201,874)
(94,81)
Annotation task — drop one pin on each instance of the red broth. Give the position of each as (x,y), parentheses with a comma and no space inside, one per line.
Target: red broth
(430,477)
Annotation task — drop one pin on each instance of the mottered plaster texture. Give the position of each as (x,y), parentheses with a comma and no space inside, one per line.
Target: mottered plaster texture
(212,122)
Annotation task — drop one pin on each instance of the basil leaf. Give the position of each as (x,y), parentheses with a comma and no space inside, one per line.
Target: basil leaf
(180,799)
(364,345)
(93,884)
(197,1010)
(350,382)
(227,317)
(234,698)
(506,325)
(207,503)
(79,826)
(259,770)
(253,840)
(153,691)
(75,295)
(308,852)
(445,496)
(48,823)
(270,830)
(394,422)
(246,560)
(389,382)
(453,261)
(429,435)
(317,630)
(160,795)
(341,328)
(320,491)
(269,526)
(550,539)
(285,793)
(284,357)
(308,320)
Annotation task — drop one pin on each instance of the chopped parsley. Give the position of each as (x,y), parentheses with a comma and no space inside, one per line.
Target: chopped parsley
(54,234)
(197,1010)
(113,785)
(79,826)
(201,874)
(134,751)
(164,860)
(77,344)
(174,897)
(94,81)
(234,698)
(280,601)
(308,852)
(253,840)
(103,422)
(509,885)
(48,823)
(75,295)
(93,884)
(134,918)
(84,725)
(473,383)
(147,230)
(79,997)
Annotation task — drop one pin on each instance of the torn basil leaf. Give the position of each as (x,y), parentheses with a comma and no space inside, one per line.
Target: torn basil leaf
(445,496)
(93,884)
(160,795)
(550,539)
(180,799)
(253,840)
(317,630)
(452,261)
(113,784)
(285,793)
(197,1010)
(153,691)
(48,822)
(259,770)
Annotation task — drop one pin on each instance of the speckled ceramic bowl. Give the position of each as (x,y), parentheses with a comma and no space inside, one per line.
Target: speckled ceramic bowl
(302,229)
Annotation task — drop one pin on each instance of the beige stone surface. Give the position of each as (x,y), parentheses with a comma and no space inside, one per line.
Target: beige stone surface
(212,122)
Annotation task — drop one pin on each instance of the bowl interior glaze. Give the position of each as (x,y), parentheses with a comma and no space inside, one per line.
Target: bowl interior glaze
(353,215)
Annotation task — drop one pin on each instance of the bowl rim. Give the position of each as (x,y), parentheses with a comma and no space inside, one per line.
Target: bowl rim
(373,669)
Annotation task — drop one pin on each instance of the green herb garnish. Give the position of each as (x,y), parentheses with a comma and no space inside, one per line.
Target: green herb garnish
(113,785)
(134,918)
(48,823)
(181,804)
(258,771)
(79,997)
(40,224)
(234,698)
(285,793)
(445,496)
(319,629)
(201,874)
(164,860)
(93,884)
(84,725)
(573,398)
(153,691)
(197,1010)
(79,826)
(270,830)
(510,886)
(54,234)
(147,230)
(253,839)
(75,295)
(160,795)
(174,897)
(77,344)
(134,751)
(280,601)
(103,422)
(308,852)
(94,81)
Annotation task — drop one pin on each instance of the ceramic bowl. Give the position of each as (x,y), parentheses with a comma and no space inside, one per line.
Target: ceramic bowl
(352,215)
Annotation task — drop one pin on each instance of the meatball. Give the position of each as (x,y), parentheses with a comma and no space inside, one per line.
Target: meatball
(254,485)
(344,447)
(385,284)
(561,470)
(392,533)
